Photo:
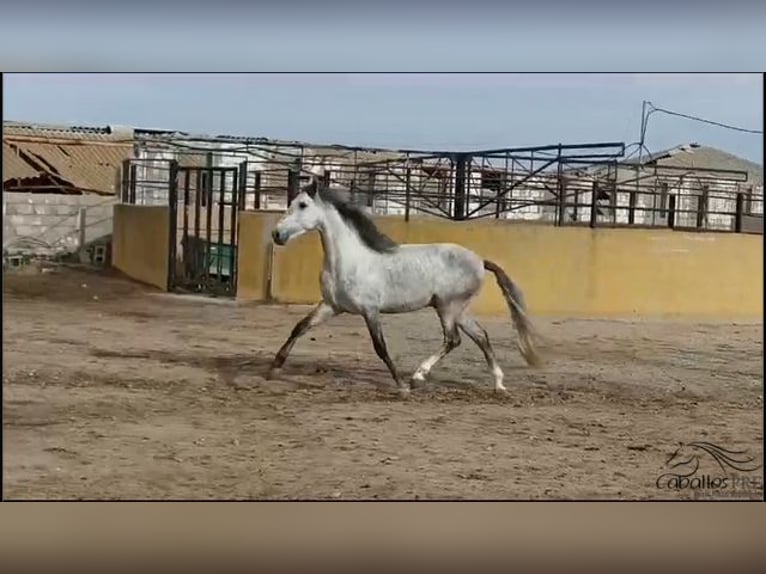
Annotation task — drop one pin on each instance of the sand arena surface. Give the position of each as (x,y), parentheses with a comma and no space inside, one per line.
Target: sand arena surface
(112,391)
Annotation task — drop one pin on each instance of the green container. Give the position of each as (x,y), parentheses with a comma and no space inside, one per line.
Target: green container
(224,253)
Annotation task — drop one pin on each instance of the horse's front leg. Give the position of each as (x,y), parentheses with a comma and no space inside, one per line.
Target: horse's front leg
(318,315)
(376,333)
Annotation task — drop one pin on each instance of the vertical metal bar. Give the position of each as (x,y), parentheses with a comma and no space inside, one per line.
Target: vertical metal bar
(500,189)
(125,175)
(241,190)
(407,179)
(326,176)
(209,183)
(663,198)
(221,221)
(672,211)
(132,187)
(508,197)
(700,211)
(257,184)
(594,205)
(575,209)
(238,183)
(459,207)
(739,211)
(468,172)
(355,177)
(407,186)
(531,168)
(198,192)
(560,189)
(172,223)
(449,189)
(631,206)
(195,245)
(185,232)
(386,186)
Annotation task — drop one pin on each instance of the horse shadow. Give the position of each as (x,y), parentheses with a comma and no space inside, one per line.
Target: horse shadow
(252,372)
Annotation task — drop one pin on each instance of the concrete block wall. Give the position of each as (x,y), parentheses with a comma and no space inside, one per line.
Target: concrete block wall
(47,224)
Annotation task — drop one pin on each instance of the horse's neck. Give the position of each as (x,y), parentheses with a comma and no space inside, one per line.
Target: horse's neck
(342,247)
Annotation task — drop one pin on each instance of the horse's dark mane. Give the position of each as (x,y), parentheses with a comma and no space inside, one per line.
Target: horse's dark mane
(370,235)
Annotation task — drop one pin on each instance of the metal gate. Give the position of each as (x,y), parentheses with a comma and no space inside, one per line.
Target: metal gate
(204,202)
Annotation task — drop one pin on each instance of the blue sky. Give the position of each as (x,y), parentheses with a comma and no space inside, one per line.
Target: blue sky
(429,111)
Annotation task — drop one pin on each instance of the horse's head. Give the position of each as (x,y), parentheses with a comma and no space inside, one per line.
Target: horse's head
(304,214)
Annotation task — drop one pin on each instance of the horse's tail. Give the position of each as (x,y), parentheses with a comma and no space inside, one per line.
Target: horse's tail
(515,300)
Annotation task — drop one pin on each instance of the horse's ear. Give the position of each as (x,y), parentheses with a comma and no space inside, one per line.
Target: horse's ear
(312,186)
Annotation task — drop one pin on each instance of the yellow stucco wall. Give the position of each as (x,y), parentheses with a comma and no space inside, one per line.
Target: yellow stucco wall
(569,271)
(140,243)
(254,254)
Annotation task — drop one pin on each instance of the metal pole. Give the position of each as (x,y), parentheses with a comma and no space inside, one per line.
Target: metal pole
(641,142)
(407,177)
(739,212)
(631,207)
(593,206)
(241,188)
(561,190)
(459,209)
(125,176)
(672,211)
(257,185)
(172,223)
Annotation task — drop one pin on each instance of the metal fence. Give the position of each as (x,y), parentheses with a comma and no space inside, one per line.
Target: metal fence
(561,184)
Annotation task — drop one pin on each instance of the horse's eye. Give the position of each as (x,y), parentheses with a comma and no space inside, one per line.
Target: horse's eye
(302,205)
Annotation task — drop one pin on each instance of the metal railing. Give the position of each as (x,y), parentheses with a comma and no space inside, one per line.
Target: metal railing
(578,184)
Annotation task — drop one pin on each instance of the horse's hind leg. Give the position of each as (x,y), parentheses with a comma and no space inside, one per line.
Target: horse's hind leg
(318,315)
(447,316)
(478,335)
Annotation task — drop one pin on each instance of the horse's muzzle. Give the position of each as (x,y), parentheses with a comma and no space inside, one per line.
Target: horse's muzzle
(275,235)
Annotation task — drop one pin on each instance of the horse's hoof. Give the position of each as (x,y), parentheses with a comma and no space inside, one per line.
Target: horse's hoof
(502,392)
(404,393)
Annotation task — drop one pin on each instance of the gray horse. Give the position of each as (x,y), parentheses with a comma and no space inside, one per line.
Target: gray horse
(366,273)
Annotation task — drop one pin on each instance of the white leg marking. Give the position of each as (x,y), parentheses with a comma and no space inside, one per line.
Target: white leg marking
(498,373)
(425,367)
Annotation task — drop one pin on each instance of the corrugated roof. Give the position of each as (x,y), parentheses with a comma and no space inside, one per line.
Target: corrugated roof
(14,166)
(84,158)
(115,134)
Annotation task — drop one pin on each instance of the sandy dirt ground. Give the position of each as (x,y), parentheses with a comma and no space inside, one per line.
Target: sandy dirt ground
(113,391)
